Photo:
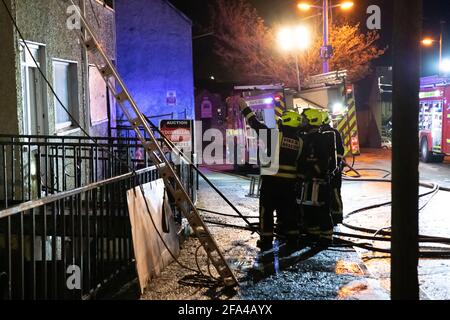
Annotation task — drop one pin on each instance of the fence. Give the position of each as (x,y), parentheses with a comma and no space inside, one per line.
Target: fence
(32,167)
(66,234)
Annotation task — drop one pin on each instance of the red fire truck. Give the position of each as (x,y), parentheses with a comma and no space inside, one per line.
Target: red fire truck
(325,91)
(434,120)
(268,103)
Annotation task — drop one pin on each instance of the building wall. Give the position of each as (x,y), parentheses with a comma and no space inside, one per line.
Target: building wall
(105,30)
(154,54)
(8,94)
(44,22)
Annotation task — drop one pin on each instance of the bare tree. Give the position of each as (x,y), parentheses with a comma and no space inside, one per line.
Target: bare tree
(249,48)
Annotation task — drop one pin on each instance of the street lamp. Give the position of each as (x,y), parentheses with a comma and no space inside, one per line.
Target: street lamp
(326,51)
(294,39)
(428,42)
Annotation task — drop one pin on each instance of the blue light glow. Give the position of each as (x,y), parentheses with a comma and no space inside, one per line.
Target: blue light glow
(268,100)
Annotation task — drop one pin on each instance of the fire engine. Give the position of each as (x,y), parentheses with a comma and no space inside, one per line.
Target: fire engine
(332,92)
(268,103)
(434,119)
(326,91)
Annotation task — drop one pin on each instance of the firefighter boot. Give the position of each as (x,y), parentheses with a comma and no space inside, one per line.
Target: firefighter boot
(264,263)
(326,238)
(291,247)
(265,245)
(337,218)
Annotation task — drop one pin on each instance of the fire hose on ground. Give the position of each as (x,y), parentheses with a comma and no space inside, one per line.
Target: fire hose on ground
(384,236)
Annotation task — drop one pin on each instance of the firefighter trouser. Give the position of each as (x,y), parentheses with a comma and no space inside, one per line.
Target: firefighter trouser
(317,215)
(278,194)
(336,199)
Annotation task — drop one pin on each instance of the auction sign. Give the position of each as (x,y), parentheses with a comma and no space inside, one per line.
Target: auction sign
(179,132)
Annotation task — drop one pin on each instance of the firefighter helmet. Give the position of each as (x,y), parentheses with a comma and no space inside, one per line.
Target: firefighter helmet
(326,117)
(292,119)
(314,117)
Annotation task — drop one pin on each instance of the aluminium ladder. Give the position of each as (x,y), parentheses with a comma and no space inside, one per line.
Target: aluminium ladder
(137,120)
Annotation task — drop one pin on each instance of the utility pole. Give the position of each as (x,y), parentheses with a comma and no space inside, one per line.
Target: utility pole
(441,42)
(405,155)
(299,85)
(325,8)
(85,74)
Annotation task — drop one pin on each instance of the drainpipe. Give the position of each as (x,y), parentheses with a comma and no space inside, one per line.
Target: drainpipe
(85,74)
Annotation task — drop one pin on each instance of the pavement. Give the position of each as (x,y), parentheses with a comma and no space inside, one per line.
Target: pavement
(434,219)
(346,273)
(337,274)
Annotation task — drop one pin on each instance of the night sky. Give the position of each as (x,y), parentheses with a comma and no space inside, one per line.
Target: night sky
(284,11)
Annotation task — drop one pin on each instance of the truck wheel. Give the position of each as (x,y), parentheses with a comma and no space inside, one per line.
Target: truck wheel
(428,156)
(425,155)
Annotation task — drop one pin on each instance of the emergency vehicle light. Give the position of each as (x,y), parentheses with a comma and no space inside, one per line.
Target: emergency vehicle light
(349,89)
(337,108)
(268,100)
(445,65)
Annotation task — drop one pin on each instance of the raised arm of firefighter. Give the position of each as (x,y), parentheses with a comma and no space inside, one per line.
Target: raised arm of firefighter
(250,116)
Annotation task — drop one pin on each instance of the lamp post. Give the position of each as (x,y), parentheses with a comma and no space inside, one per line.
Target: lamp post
(294,39)
(429,42)
(326,51)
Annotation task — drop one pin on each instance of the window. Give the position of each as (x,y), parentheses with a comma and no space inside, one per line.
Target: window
(66,87)
(98,96)
(33,93)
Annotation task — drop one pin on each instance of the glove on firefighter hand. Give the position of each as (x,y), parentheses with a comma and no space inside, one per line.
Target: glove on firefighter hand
(242,104)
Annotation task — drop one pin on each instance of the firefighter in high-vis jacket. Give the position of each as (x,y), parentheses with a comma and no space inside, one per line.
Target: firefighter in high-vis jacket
(336,178)
(316,165)
(279,178)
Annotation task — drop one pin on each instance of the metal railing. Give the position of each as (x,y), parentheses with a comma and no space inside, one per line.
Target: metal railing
(65,212)
(67,245)
(32,167)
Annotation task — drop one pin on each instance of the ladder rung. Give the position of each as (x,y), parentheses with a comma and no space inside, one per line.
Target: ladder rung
(122,97)
(90,44)
(166,172)
(180,197)
(229,281)
(136,123)
(106,71)
(150,146)
(199,229)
